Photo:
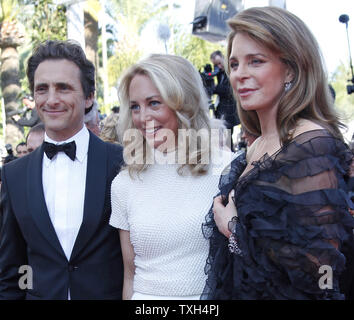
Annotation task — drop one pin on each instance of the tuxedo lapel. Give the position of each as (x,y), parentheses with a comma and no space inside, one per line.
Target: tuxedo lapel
(95,191)
(36,200)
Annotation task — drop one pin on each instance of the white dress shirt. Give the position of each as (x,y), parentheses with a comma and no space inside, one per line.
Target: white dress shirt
(64,184)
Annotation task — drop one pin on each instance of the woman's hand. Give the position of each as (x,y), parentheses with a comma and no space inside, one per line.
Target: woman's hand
(223,214)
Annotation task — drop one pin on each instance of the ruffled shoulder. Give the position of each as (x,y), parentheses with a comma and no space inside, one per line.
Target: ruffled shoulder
(293,212)
(306,155)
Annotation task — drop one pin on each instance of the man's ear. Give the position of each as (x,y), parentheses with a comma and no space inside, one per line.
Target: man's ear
(89,101)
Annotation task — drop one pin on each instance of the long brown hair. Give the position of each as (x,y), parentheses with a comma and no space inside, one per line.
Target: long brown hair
(309,96)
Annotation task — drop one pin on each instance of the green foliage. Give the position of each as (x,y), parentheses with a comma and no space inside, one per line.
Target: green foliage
(9,9)
(48,21)
(43,20)
(131,16)
(344,102)
(195,49)
(127,53)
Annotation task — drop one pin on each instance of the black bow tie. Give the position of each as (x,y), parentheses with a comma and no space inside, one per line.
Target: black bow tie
(52,149)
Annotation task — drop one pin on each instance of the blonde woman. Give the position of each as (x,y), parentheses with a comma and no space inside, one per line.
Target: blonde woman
(281,232)
(159,202)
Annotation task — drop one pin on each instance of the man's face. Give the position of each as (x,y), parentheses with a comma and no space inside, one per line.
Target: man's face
(34,140)
(59,98)
(28,103)
(21,151)
(218,62)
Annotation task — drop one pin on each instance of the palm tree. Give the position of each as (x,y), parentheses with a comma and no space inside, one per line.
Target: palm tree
(11,37)
(91,10)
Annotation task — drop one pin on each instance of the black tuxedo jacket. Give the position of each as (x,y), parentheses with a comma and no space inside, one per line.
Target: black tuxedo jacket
(27,236)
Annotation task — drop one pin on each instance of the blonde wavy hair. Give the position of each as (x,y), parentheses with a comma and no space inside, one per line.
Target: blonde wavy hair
(309,96)
(181,88)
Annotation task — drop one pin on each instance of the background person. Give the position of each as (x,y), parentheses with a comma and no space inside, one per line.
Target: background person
(109,128)
(10,154)
(226,104)
(35,137)
(29,116)
(92,119)
(21,149)
(159,207)
(115,109)
(286,215)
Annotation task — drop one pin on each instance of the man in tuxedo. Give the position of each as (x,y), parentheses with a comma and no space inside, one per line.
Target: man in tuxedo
(55,240)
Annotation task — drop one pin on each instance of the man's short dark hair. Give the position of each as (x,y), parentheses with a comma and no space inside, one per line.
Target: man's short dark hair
(216,53)
(39,128)
(69,50)
(115,109)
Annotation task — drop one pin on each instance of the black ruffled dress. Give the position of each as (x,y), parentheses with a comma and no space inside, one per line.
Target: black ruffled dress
(293,220)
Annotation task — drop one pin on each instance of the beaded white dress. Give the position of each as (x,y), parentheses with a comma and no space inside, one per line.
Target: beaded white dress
(164,212)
